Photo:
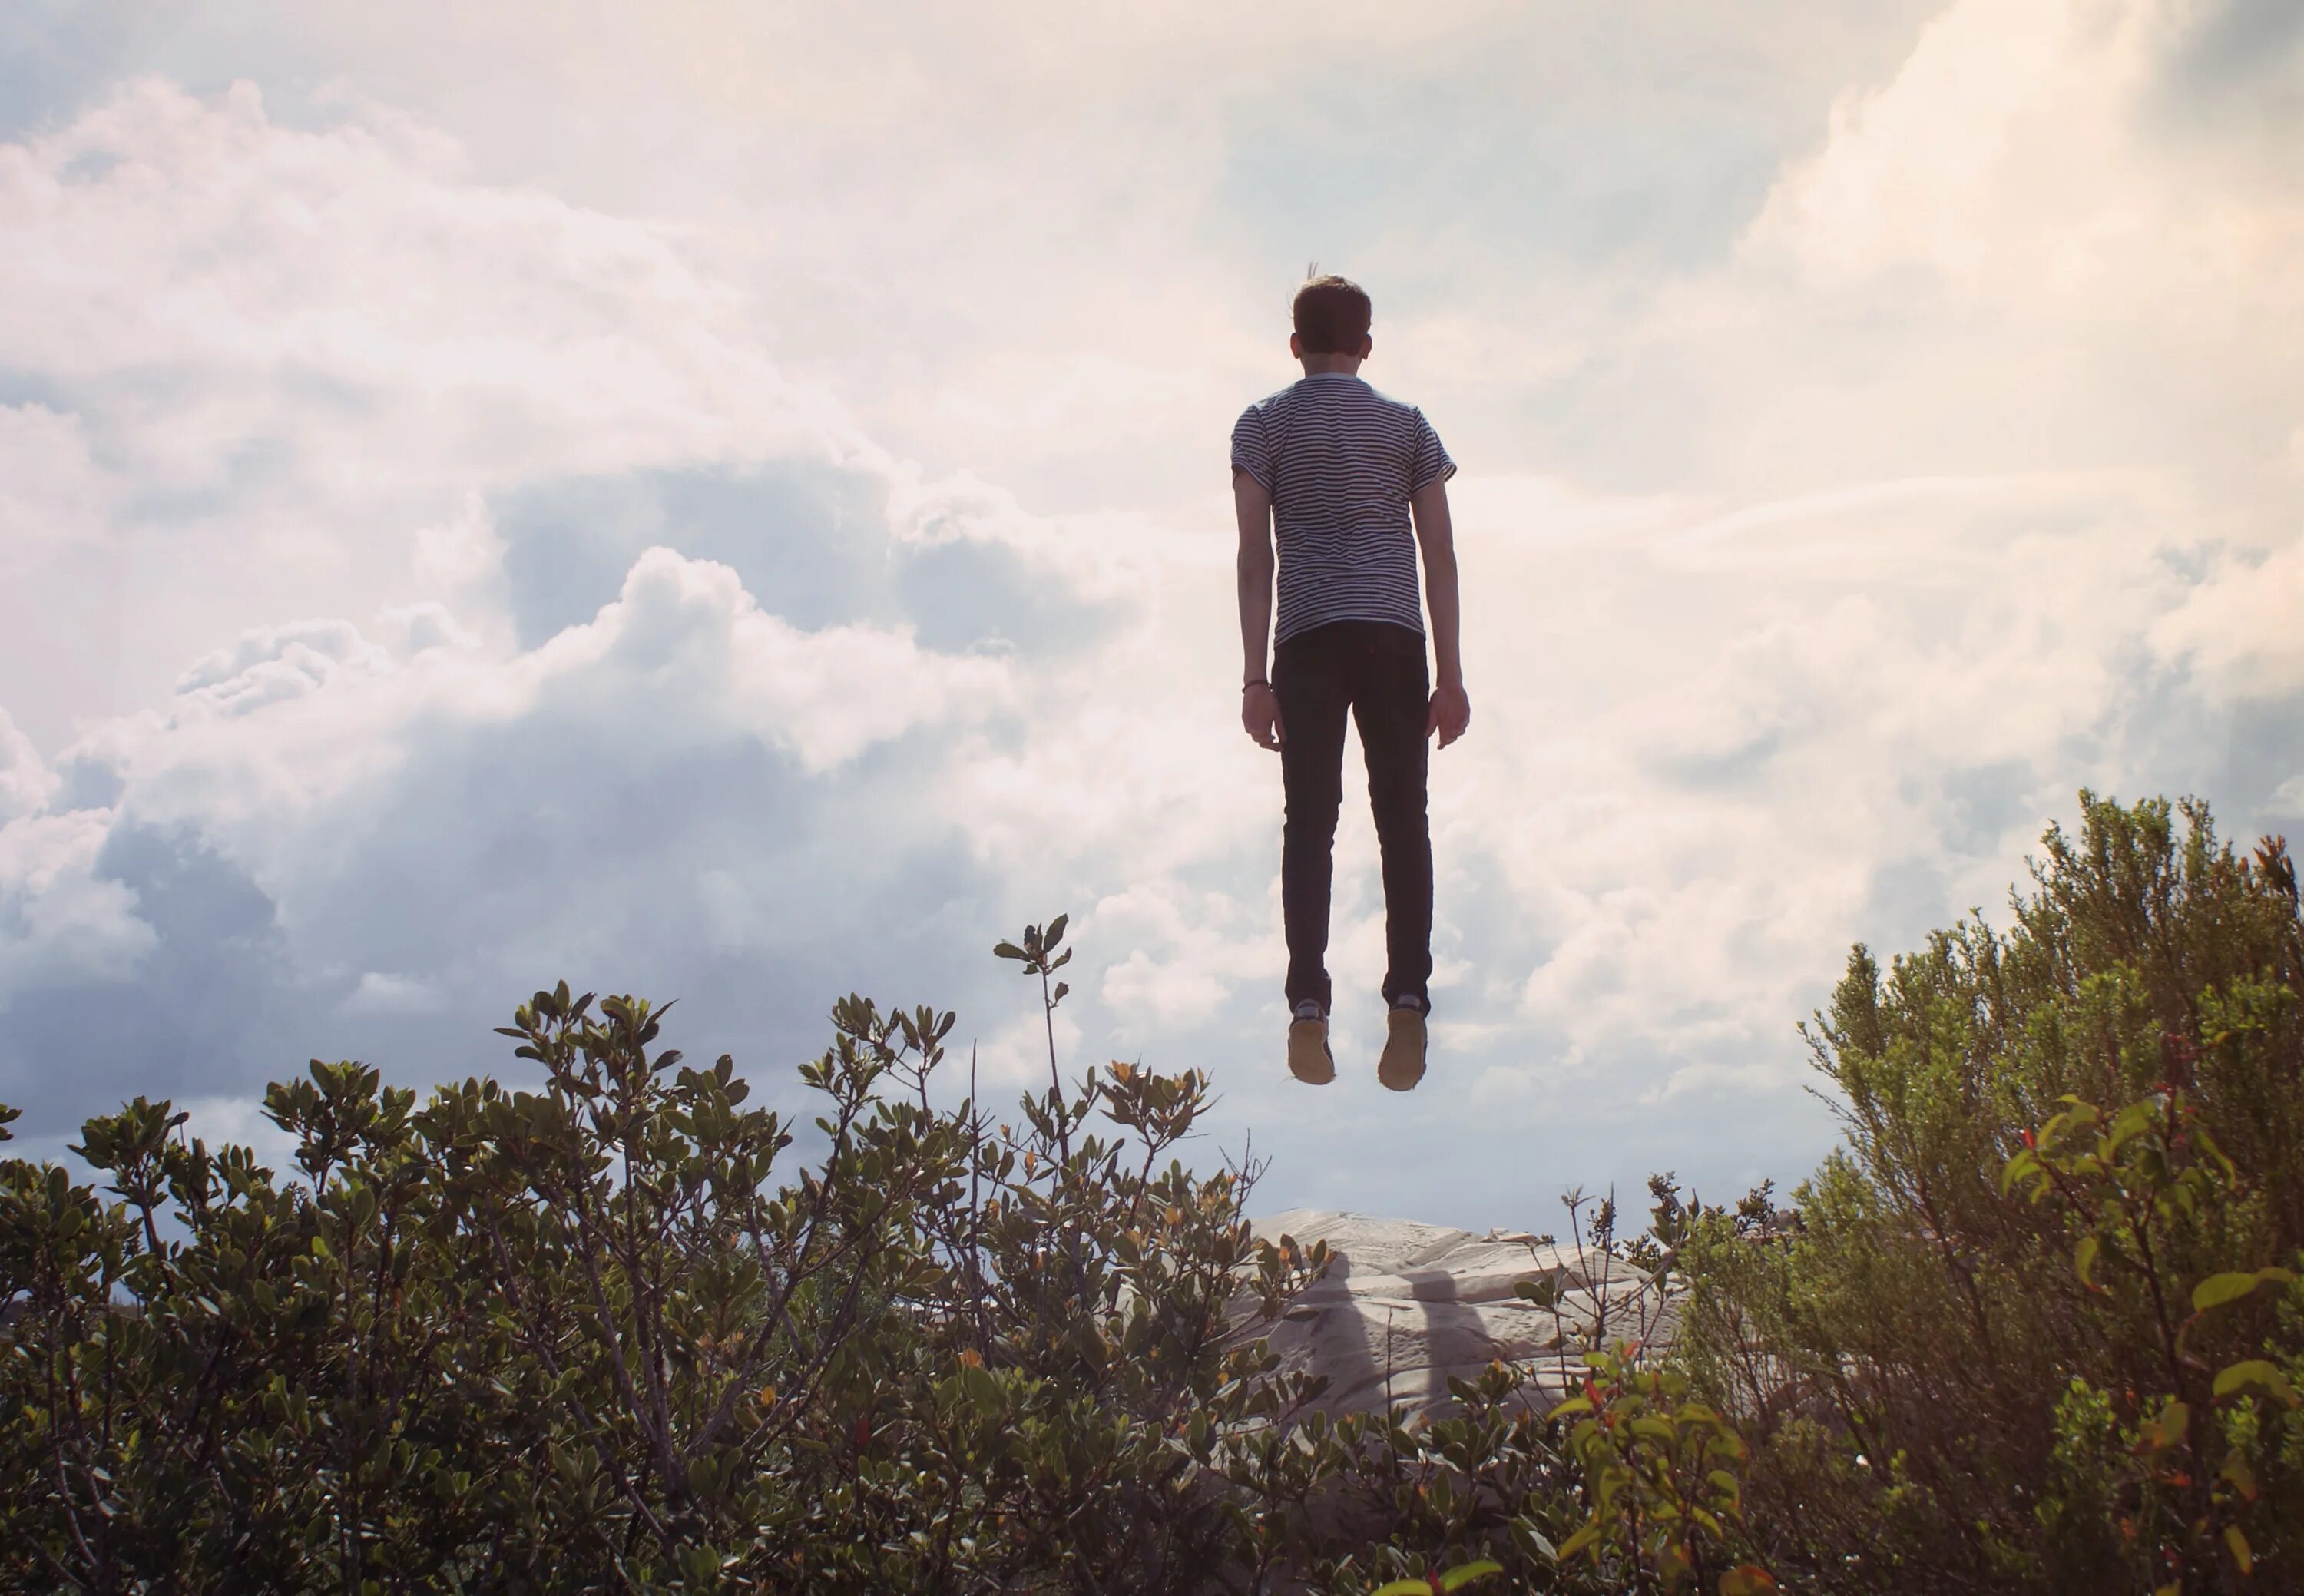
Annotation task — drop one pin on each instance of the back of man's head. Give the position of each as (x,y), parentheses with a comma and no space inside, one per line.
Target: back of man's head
(1331,316)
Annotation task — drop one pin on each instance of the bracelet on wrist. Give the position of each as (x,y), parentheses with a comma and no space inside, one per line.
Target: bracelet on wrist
(1259,682)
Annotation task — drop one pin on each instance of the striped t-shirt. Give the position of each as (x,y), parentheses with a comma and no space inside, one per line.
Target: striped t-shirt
(1340,461)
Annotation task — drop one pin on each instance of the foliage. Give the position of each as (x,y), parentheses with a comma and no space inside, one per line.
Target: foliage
(605,1335)
(1501,1478)
(628,1331)
(2183,1489)
(2036,1327)
(1658,1473)
(1439,1584)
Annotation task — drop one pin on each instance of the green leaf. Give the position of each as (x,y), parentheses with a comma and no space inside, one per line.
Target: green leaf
(1457,1578)
(2084,1259)
(2254,1374)
(1747,1579)
(2023,1163)
(2129,1123)
(1582,1540)
(2242,1553)
(2237,1473)
(2217,1290)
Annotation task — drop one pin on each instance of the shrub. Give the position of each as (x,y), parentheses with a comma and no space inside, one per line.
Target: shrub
(629,1331)
(2008,1348)
(607,1333)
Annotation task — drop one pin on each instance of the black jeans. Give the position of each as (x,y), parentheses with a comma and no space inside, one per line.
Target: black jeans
(1375,669)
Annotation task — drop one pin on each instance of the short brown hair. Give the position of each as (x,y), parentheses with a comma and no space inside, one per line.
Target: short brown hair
(1331,316)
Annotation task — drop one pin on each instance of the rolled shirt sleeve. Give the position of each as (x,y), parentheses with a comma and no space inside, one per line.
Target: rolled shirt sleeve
(1430,463)
(1251,448)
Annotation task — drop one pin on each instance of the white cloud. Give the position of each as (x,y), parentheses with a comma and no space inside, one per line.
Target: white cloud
(51,491)
(1933,166)
(1015,1057)
(313,353)
(686,631)
(262,738)
(2241,629)
(60,922)
(239,1122)
(1187,953)
(25,782)
(1815,552)
(455,328)
(2020,150)
(462,550)
(381,992)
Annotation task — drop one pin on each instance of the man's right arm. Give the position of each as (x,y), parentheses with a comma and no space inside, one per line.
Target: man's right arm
(1259,709)
(1451,710)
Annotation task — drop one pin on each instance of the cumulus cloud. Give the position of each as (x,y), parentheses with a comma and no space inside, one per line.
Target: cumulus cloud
(25,782)
(2239,631)
(51,491)
(413,838)
(2025,148)
(488,602)
(469,331)
(687,631)
(62,921)
(305,357)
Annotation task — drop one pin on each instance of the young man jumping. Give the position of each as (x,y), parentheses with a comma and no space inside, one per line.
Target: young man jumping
(1334,472)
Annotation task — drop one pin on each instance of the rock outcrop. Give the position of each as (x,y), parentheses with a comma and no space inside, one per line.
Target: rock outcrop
(1405,1306)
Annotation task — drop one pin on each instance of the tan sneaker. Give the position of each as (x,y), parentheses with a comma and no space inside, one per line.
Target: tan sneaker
(1308,1057)
(1401,1065)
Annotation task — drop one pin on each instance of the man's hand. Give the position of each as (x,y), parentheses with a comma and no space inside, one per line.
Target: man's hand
(1451,712)
(1259,712)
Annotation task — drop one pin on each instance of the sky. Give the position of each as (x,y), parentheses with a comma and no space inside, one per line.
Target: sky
(728,502)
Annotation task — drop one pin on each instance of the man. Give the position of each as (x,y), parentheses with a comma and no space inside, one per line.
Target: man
(1339,472)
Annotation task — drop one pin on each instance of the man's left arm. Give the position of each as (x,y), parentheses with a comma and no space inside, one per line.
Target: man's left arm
(1452,707)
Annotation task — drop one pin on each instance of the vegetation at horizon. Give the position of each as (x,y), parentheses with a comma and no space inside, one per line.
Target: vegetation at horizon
(2036,1327)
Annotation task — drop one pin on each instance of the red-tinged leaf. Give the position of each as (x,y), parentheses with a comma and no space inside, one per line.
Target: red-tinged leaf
(2168,1430)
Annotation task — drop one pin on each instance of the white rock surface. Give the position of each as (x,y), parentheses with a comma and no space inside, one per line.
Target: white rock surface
(1406,1305)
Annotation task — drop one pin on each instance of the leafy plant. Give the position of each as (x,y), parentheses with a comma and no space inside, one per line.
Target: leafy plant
(1439,1584)
(2138,1185)
(1660,1480)
(1954,1382)
(606,1333)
